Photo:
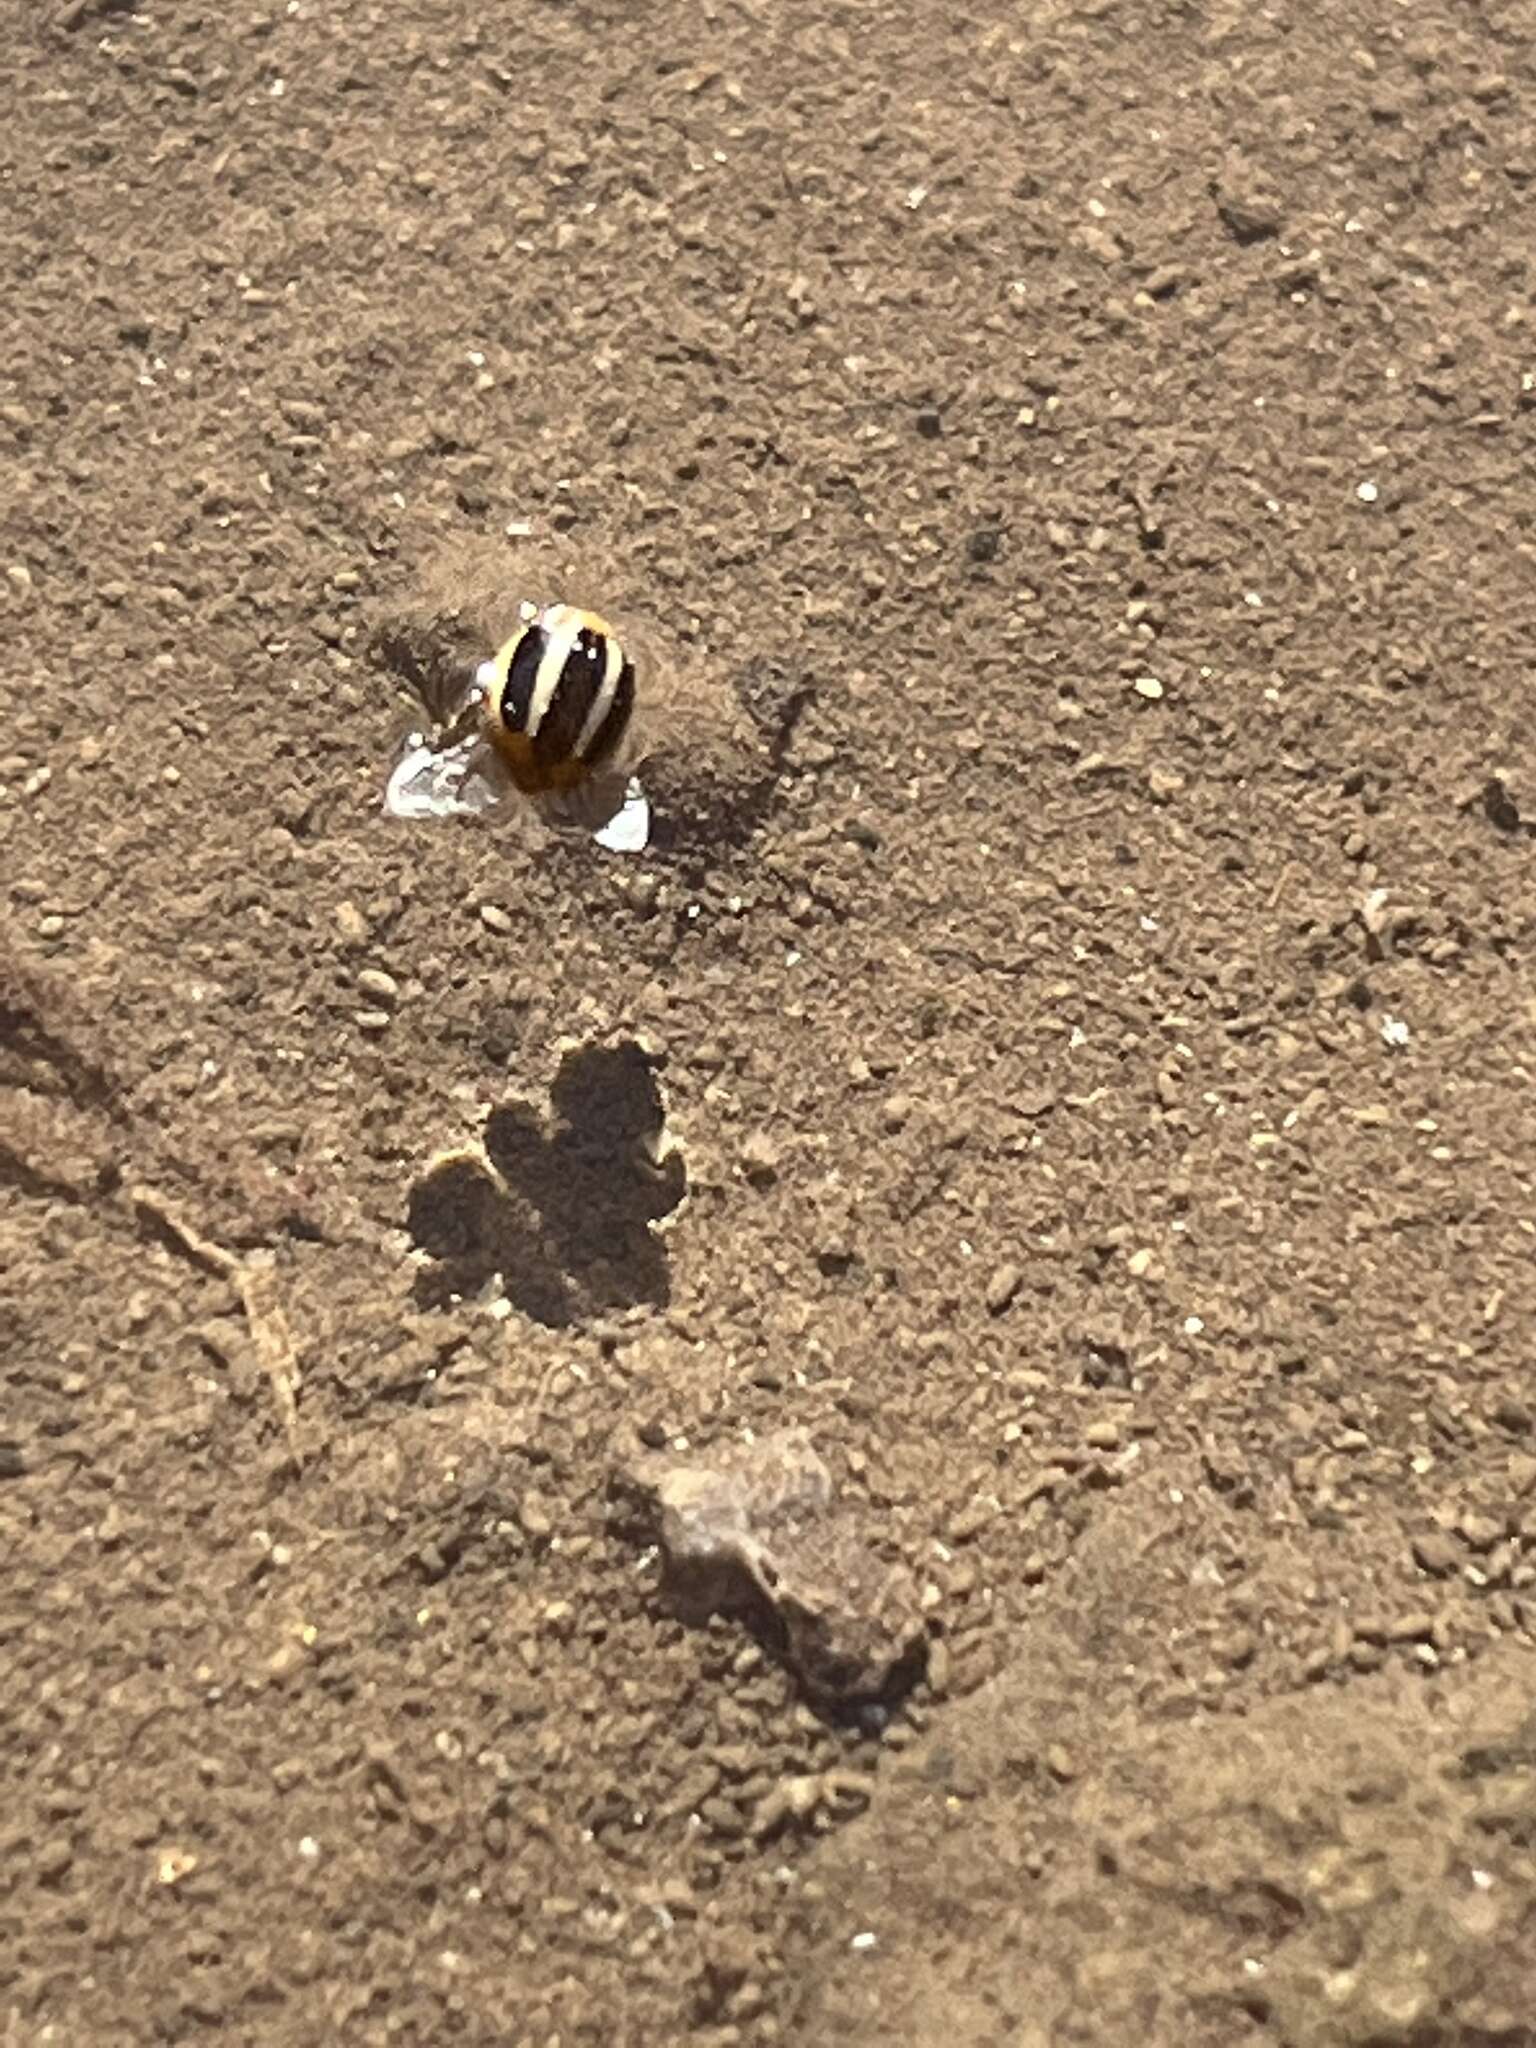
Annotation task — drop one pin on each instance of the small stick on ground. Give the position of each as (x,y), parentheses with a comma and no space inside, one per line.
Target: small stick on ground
(255,1280)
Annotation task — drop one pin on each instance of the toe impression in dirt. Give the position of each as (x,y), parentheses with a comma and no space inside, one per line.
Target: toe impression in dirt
(754,1530)
(562,1209)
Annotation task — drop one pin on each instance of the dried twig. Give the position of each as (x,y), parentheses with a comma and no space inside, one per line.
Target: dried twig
(255,1280)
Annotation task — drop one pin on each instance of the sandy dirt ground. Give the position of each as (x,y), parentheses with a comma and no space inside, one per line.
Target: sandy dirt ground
(1043,1141)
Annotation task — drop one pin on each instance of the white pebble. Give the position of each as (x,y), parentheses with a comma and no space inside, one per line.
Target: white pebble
(1367,493)
(862,1941)
(1148,687)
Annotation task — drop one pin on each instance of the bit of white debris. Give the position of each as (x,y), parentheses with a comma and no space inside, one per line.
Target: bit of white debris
(1394,1031)
(172,1865)
(1367,492)
(1193,1325)
(863,1941)
(309,1849)
(1148,687)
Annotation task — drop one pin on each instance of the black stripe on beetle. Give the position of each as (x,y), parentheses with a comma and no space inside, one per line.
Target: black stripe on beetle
(522,674)
(609,735)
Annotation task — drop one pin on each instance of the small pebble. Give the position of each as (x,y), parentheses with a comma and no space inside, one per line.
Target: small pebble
(534,1515)
(1480,1531)
(372,1020)
(760,1159)
(1148,687)
(1002,1287)
(1435,1554)
(1236,1648)
(495,919)
(373,981)
(1102,1436)
(1411,1628)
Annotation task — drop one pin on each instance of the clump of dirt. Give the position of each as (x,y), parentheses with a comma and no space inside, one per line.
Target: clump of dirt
(755,1531)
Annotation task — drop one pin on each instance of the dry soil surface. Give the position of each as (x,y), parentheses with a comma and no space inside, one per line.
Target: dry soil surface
(1065,1061)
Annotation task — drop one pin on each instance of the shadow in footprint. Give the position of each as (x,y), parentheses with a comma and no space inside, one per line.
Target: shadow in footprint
(562,1208)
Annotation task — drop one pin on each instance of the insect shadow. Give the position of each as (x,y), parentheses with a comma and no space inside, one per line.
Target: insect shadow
(562,1208)
(704,799)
